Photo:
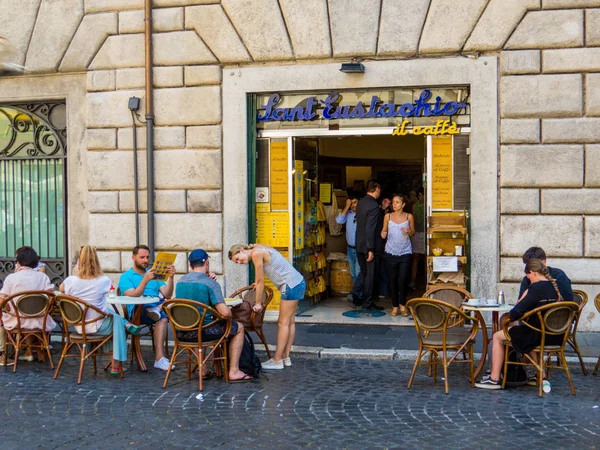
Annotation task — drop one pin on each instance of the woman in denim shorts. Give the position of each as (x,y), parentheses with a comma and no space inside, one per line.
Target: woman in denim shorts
(268,261)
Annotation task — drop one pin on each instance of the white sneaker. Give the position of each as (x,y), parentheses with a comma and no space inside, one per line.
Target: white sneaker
(272,365)
(163,364)
(5,361)
(287,362)
(29,358)
(153,312)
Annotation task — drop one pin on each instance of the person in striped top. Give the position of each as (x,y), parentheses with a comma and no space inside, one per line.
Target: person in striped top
(268,261)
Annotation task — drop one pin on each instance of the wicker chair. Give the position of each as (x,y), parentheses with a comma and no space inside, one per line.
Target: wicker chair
(439,332)
(556,319)
(581,298)
(454,295)
(597,305)
(189,315)
(28,305)
(248,294)
(74,313)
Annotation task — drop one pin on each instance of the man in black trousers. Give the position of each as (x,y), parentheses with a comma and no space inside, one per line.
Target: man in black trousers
(368,215)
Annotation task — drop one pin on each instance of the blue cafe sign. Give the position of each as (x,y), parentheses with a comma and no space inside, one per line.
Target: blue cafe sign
(376,109)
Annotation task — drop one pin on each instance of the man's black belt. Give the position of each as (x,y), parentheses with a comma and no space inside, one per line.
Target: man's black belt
(351,246)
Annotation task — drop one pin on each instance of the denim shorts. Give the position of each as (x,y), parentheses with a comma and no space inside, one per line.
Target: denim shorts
(295,293)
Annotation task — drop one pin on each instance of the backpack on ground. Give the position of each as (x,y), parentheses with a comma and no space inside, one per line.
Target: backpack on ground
(249,362)
(515,375)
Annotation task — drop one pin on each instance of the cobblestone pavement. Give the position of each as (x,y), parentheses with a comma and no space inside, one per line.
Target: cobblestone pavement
(322,403)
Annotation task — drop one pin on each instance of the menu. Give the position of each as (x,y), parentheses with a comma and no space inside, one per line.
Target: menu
(273,228)
(441,173)
(279,176)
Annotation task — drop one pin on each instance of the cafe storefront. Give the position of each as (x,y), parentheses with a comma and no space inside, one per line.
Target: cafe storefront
(308,145)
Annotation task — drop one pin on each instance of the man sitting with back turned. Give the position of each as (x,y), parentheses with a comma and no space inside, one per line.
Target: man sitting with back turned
(563,282)
(191,287)
(139,282)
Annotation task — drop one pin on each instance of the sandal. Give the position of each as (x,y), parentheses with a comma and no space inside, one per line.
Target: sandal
(404,311)
(244,379)
(394,311)
(118,371)
(210,374)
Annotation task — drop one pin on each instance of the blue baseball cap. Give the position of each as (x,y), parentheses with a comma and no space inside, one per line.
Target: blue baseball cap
(198,256)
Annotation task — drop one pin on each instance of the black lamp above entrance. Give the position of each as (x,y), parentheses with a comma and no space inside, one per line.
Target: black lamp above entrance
(352,67)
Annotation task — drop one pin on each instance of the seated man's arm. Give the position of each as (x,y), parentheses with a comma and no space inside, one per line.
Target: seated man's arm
(564,286)
(223,309)
(216,298)
(167,289)
(128,289)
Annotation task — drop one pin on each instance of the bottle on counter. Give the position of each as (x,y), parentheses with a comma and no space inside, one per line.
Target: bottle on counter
(501,299)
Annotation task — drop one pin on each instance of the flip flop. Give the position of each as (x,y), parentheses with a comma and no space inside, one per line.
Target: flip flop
(118,372)
(208,376)
(134,329)
(244,379)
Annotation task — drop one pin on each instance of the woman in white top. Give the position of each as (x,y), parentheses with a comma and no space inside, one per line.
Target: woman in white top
(398,228)
(91,286)
(268,261)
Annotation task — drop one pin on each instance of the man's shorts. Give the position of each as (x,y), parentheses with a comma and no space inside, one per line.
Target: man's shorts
(145,320)
(211,333)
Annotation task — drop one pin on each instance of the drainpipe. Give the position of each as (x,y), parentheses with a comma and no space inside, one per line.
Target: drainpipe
(149,125)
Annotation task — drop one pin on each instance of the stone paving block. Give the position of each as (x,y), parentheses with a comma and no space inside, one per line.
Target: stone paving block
(520,131)
(308,25)
(497,22)
(356,353)
(541,96)
(520,62)
(462,15)
(571,60)
(343,17)
(548,29)
(249,16)
(582,130)
(557,235)
(519,201)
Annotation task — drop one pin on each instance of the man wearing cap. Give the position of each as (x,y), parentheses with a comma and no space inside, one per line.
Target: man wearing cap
(188,287)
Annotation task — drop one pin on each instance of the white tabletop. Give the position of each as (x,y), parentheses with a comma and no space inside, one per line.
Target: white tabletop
(233,301)
(499,308)
(125,300)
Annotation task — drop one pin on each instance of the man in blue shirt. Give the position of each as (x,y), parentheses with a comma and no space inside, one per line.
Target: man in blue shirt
(139,282)
(348,217)
(193,286)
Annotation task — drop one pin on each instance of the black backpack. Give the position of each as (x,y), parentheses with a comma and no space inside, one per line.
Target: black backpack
(515,375)
(249,362)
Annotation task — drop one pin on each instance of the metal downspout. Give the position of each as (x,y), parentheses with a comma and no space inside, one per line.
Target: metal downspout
(149,125)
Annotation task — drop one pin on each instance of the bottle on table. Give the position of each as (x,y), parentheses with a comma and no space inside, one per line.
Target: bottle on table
(112,292)
(501,299)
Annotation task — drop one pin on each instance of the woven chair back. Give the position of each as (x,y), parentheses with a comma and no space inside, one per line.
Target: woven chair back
(33,305)
(558,320)
(429,316)
(580,297)
(71,311)
(184,317)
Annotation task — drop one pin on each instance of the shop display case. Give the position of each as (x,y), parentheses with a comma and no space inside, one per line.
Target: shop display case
(447,250)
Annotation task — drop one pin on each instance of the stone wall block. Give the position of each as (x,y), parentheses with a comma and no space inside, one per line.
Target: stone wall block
(101,139)
(164,138)
(579,270)
(167,77)
(204,201)
(511,269)
(556,4)
(125,137)
(189,231)
(308,25)
(109,109)
(131,78)
(592,94)
(497,23)
(557,235)
(18,32)
(541,166)
(548,29)
(114,170)
(162,3)
(570,201)
(582,130)
(520,62)
(203,137)
(592,235)
(462,15)
(214,27)
(261,27)
(92,6)
(103,201)
(344,16)
(216,262)
(164,19)
(101,80)
(592,27)
(52,34)
(188,169)
(401,37)
(110,261)
(90,35)
(571,60)
(113,231)
(125,50)
(520,201)
(520,131)
(188,106)
(202,75)
(127,201)
(180,48)
(541,96)
(170,201)
(592,165)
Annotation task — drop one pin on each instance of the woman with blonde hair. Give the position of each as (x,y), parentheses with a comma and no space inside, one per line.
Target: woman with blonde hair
(268,261)
(91,286)
(542,290)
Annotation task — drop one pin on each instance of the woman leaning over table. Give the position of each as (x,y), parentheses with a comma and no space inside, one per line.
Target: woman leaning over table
(398,228)
(542,290)
(91,286)
(268,261)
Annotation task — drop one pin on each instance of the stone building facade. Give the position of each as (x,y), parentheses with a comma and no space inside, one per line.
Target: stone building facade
(533,67)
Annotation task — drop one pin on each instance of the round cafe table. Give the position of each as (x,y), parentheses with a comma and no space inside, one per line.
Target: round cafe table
(495,310)
(139,303)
